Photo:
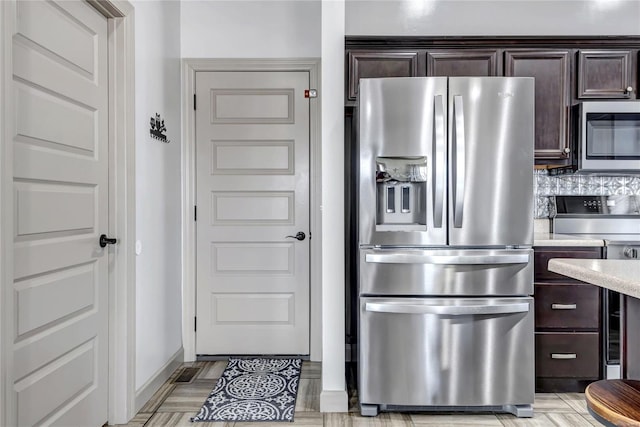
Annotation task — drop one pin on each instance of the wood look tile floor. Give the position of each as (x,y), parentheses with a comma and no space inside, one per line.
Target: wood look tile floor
(175,403)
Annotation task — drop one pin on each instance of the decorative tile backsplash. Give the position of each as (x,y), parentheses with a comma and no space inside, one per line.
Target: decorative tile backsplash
(545,185)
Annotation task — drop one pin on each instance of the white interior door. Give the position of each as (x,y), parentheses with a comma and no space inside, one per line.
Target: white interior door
(60,343)
(252,150)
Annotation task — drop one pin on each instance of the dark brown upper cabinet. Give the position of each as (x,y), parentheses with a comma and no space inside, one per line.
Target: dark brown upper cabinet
(605,74)
(463,63)
(380,63)
(552,98)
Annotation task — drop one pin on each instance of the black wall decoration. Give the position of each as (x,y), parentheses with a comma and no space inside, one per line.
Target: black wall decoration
(158,130)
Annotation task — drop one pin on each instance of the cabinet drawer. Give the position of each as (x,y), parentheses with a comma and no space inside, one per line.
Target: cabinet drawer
(543,255)
(568,355)
(567,306)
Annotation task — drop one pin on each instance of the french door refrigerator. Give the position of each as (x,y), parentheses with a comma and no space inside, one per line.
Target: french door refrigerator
(445,233)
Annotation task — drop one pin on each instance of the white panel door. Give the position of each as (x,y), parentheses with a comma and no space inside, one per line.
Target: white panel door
(60,197)
(252,150)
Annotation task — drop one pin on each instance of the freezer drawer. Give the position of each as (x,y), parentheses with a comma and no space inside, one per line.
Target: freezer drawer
(446,352)
(473,272)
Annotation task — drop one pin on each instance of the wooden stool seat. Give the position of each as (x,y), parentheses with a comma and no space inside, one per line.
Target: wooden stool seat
(614,402)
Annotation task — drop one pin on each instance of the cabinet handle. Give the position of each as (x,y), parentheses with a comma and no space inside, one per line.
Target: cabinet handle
(566,151)
(564,356)
(563,306)
(629,89)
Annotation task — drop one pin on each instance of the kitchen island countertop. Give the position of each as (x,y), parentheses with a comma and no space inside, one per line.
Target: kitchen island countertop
(616,274)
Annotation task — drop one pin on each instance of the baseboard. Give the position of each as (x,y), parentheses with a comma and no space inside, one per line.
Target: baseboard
(334,401)
(144,394)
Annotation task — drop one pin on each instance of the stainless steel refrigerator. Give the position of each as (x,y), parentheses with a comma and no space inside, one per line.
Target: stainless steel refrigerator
(445,233)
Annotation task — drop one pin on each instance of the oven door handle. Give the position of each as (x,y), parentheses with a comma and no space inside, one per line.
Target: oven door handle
(446,310)
(405,258)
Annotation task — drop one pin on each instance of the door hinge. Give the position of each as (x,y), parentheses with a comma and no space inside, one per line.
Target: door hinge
(195,213)
(195,324)
(194,101)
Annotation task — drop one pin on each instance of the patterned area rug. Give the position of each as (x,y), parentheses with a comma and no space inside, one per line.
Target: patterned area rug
(254,390)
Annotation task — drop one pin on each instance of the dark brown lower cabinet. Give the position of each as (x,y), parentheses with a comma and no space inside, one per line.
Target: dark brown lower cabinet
(574,306)
(567,354)
(631,338)
(568,339)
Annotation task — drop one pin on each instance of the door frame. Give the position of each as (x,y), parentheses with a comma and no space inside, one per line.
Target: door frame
(121,305)
(190,66)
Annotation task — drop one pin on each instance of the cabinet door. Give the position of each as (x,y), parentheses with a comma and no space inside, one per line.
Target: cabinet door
(542,255)
(377,63)
(605,74)
(551,71)
(462,63)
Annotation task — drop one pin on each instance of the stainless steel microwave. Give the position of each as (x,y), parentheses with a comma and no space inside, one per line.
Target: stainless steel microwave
(609,136)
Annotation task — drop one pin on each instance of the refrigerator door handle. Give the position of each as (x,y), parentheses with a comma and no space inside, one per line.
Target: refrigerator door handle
(446,310)
(439,170)
(404,258)
(459,161)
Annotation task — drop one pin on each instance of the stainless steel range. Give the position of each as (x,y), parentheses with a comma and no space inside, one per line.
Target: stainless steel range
(616,220)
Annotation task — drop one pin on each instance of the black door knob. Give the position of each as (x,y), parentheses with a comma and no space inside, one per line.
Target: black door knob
(104,241)
(299,235)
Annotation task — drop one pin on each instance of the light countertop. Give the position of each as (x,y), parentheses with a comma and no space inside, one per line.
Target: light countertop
(621,275)
(553,239)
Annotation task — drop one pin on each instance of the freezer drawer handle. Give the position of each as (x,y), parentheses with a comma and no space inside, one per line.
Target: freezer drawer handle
(563,306)
(564,356)
(451,310)
(447,259)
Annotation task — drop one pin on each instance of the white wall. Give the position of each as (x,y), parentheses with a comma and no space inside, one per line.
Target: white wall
(250,29)
(158,220)
(292,29)
(492,17)
(334,396)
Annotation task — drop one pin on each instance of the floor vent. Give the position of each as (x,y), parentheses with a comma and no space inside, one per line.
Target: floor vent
(187,375)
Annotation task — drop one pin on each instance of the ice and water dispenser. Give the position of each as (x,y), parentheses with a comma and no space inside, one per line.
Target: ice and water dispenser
(401,193)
